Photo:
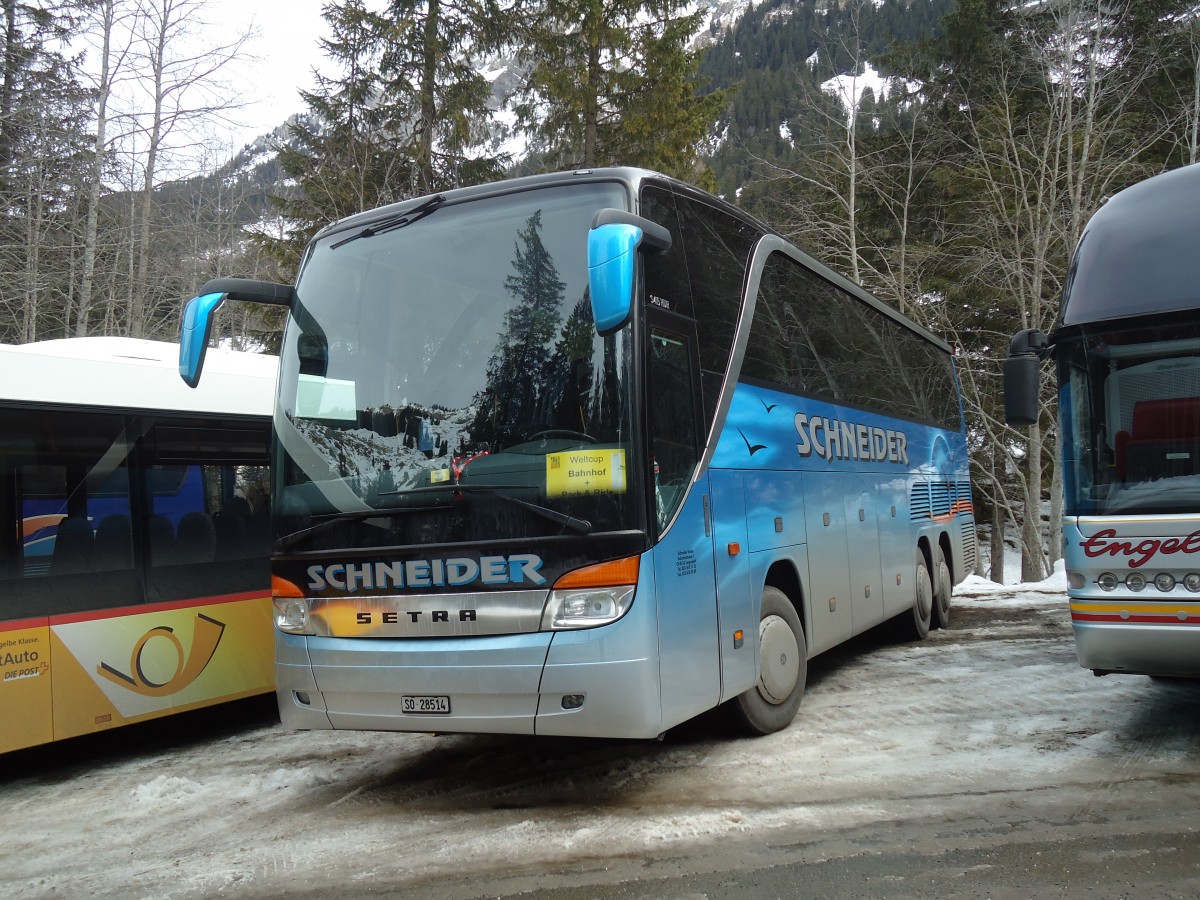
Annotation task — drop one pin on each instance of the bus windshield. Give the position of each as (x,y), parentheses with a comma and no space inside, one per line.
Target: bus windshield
(1130,409)
(442,381)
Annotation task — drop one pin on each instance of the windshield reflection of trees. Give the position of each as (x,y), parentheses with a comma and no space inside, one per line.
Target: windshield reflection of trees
(540,377)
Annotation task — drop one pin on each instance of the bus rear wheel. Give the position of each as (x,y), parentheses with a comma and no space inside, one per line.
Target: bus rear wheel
(914,624)
(943,589)
(771,704)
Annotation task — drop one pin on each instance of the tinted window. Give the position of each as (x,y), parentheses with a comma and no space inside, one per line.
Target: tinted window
(811,336)
(717,247)
(96,521)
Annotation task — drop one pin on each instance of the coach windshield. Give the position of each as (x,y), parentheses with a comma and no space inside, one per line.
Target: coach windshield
(442,380)
(1130,410)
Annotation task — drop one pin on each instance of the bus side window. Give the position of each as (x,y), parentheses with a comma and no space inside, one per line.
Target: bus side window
(673,443)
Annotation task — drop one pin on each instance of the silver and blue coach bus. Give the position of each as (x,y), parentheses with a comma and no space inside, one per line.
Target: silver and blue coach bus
(590,454)
(1127,348)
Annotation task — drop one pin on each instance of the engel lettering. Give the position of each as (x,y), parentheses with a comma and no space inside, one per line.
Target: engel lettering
(1107,542)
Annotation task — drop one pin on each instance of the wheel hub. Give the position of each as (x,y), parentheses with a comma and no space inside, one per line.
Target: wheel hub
(779,659)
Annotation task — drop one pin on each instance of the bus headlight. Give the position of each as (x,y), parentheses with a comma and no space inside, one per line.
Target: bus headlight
(1164,581)
(291,614)
(1107,581)
(1135,581)
(1191,581)
(591,596)
(291,606)
(586,608)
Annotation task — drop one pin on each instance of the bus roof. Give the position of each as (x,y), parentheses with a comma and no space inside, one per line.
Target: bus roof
(632,178)
(1140,253)
(128,373)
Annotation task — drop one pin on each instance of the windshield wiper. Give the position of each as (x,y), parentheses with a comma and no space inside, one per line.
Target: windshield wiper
(397,221)
(579,526)
(357,515)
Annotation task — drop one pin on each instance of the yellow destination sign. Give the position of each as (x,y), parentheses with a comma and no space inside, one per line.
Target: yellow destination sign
(575,472)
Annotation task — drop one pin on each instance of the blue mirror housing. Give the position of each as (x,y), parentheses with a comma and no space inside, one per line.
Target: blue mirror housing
(612,257)
(194,333)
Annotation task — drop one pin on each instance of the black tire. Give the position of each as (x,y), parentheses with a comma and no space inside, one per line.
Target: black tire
(943,590)
(771,704)
(914,624)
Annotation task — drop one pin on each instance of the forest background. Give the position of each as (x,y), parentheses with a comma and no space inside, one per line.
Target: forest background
(946,155)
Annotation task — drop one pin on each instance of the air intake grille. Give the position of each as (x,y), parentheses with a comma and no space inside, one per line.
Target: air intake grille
(969,551)
(938,498)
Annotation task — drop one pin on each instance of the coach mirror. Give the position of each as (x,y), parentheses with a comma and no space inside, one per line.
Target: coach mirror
(196,328)
(613,243)
(194,333)
(1022,371)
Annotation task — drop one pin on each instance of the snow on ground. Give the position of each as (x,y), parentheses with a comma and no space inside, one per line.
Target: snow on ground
(995,703)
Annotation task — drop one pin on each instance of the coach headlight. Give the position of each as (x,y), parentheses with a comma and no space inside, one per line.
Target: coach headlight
(591,596)
(291,607)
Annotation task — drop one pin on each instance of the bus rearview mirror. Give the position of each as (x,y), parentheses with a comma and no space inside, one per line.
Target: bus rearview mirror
(1022,377)
(612,257)
(196,327)
(613,242)
(194,333)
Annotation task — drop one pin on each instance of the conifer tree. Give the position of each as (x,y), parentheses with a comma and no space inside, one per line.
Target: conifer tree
(407,114)
(612,82)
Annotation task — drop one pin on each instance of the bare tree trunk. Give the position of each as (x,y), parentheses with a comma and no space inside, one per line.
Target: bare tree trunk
(103,88)
(1054,544)
(999,521)
(163,21)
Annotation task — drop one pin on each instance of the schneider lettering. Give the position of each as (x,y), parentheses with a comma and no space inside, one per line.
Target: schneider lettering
(834,439)
(517,568)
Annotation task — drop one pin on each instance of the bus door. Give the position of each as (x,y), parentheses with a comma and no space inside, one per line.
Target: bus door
(683,568)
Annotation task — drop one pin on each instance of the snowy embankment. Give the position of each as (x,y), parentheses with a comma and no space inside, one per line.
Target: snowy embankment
(995,706)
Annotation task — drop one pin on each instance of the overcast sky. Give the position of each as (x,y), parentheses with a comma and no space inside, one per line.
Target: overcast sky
(285,45)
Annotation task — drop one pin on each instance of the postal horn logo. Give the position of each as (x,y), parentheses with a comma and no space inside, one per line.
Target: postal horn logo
(206,637)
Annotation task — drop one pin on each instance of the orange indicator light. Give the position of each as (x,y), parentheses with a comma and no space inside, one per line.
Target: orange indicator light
(281,587)
(605,574)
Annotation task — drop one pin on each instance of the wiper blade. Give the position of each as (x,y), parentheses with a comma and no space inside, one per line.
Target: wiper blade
(579,526)
(397,221)
(357,515)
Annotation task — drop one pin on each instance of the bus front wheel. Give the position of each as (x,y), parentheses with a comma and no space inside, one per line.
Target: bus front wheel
(771,704)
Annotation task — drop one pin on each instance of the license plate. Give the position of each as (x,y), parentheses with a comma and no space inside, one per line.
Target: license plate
(424,706)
